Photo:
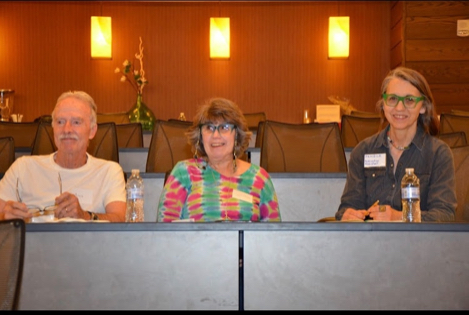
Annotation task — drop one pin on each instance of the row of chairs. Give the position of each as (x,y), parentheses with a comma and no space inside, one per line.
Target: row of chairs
(354,128)
(115,117)
(38,136)
(284,147)
(454,127)
(129,135)
(358,126)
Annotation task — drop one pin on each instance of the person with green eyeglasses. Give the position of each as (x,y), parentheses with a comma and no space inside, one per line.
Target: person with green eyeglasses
(377,164)
(218,184)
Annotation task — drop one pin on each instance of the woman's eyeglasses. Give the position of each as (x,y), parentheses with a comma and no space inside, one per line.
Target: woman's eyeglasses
(409,101)
(223,129)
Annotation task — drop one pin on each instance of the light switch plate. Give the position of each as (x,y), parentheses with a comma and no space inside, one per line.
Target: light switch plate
(463,28)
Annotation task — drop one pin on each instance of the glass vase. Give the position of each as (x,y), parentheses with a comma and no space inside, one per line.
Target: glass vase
(142,114)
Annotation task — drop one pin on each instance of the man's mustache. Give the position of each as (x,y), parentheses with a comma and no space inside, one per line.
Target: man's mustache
(68,136)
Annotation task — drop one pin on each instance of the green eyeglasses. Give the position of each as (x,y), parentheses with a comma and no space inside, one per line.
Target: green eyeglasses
(409,101)
(223,129)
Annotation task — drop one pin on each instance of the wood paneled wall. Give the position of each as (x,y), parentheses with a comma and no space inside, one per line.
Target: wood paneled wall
(278,59)
(432,47)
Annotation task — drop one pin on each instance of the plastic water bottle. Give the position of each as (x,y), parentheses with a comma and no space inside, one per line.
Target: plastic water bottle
(135,193)
(410,194)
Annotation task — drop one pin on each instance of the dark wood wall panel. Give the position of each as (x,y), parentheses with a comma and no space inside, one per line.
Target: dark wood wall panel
(278,55)
(396,56)
(397,7)
(432,27)
(449,72)
(437,49)
(451,96)
(397,34)
(436,8)
(433,48)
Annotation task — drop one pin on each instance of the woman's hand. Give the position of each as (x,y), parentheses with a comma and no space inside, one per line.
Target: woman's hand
(384,213)
(354,215)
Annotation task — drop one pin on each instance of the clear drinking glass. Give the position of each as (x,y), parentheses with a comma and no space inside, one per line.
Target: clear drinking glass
(306,117)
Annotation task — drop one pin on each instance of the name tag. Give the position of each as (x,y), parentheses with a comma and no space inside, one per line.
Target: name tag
(375,160)
(241,196)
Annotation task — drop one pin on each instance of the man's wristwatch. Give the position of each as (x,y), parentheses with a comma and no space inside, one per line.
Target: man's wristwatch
(93,216)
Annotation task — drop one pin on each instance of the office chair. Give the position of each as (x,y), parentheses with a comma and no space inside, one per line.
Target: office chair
(260,134)
(23,133)
(253,120)
(168,145)
(130,135)
(104,145)
(361,113)
(47,118)
(453,123)
(7,153)
(302,148)
(117,118)
(460,112)
(12,239)
(44,141)
(454,139)
(356,128)
(461,169)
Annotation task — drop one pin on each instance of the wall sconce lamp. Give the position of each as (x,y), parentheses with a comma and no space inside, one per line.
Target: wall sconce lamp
(101,37)
(219,38)
(339,37)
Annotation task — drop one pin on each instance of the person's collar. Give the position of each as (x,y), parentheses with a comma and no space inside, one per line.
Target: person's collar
(54,158)
(382,139)
(417,140)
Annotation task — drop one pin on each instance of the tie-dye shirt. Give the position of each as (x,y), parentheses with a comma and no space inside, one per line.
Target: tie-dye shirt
(197,192)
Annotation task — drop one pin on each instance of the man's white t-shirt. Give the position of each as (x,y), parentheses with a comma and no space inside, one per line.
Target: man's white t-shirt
(96,183)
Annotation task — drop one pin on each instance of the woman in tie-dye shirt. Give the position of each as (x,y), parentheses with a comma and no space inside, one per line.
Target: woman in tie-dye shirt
(216,185)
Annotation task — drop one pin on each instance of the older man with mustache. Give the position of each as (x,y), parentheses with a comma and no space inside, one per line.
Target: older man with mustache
(77,184)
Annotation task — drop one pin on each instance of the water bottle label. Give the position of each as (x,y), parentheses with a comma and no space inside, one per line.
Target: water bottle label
(410,193)
(135,193)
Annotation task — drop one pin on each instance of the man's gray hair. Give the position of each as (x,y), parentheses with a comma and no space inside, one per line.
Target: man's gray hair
(82,96)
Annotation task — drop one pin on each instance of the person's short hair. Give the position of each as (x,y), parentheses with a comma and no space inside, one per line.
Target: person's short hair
(82,96)
(428,120)
(215,110)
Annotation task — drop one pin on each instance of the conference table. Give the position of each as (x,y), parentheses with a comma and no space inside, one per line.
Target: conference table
(298,264)
(246,266)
